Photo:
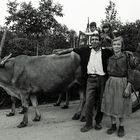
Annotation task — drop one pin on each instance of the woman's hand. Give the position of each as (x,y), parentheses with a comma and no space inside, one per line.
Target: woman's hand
(127,92)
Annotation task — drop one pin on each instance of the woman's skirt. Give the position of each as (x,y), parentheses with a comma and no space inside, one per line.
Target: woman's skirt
(113,103)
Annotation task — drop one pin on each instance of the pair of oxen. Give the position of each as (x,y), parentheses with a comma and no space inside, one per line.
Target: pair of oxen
(25,76)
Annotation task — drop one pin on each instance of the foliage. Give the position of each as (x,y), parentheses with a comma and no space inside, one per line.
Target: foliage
(111,16)
(35,30)
(131,34)
(129,31)
(30,20)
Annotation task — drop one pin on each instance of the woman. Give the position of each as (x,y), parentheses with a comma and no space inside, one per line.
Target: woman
(117,100)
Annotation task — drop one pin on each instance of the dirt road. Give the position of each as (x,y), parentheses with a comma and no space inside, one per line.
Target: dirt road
(56,124)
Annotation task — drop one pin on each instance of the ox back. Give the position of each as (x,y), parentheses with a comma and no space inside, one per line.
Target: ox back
(31,74)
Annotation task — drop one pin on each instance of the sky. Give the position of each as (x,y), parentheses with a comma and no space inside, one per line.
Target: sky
(76,12)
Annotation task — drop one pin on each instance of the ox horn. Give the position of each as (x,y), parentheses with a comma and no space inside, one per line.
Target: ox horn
(2,41)
(5,59)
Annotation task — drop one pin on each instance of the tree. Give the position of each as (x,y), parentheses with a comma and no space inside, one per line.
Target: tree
(111,16)
(33,21)
(131,34)
(37,25)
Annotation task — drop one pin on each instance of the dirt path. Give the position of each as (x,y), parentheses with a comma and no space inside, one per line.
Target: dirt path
(56,124)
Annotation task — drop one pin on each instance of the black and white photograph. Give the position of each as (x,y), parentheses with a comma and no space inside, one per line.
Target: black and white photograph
(70,70)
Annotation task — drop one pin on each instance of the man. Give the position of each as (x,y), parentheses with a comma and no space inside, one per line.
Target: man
(94,68)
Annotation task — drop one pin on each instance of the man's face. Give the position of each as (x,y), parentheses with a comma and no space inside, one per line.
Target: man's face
(94,40)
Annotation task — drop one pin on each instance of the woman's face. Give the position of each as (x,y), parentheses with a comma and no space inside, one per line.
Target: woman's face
(106,29)
(117,46)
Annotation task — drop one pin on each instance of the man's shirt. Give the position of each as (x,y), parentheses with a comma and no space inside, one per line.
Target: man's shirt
(95,63)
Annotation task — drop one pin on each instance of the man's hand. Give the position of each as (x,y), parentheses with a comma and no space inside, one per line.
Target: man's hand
(80,32)
(58,53)
(65,51)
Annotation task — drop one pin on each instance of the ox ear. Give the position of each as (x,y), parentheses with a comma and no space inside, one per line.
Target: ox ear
(5,59)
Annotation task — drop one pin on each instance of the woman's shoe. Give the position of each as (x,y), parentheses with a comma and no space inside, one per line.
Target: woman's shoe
(121,131)
(98,126)
(112,129)
(83,119)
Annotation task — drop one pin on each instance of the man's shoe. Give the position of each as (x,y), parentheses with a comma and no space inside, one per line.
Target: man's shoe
(83,119)
(98,126)
(22,124)
(86,128)
(112,129)
(121,131)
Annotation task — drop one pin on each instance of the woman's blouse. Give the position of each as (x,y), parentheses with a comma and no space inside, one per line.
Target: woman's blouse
(118,65)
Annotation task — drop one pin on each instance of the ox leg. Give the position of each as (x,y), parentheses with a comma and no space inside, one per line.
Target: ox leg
(25,106)
(81,109)
(12,112)
(59,100)
(66,105)
(25,118)
(21,111)
(35,104)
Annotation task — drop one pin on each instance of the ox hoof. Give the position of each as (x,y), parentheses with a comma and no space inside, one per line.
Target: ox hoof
(57,104)
(22,124)
(76,117)
(21,112)
(10,114)
(65,107)
(37,119)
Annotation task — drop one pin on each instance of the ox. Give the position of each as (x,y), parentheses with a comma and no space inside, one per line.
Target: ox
(24,76)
